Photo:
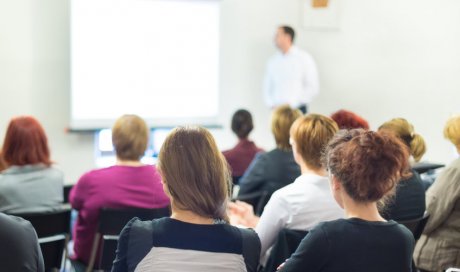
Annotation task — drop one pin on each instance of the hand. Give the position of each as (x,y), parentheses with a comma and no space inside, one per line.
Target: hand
(281,265)
(242,213)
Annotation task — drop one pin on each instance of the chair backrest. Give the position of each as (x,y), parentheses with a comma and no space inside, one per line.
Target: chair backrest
(111,223)
(53,229)
(286,244)
(452,269)
(66,192)
(416,226)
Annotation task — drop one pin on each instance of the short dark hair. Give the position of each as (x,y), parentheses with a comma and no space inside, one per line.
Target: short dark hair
(289,30)
(242,123)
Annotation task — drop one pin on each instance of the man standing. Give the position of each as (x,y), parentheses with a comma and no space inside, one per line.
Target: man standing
(291,76)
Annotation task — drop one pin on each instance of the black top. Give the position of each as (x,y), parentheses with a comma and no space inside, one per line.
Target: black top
(19,249)
(408,202)
(181,240)
(269,172)
(354,245)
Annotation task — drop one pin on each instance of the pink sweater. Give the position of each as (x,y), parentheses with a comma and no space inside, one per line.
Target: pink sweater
(112,187)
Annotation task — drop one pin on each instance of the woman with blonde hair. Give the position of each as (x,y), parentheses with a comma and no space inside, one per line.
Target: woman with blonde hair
(127,184)
(197,236)
(307,201)
(439,247)
(408,201)
(277,168)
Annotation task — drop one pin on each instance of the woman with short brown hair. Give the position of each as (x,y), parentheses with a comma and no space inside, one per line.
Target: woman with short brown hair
(197,236)
(364,168)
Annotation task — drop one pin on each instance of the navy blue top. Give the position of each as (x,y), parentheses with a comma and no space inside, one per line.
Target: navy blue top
(139,237)
(354,245)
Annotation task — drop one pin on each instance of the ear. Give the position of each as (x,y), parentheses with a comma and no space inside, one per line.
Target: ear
(335,183)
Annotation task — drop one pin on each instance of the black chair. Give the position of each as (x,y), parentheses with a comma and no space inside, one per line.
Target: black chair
(423,167)
(416,226)
(258,200)
(67,189)
(53,229)
(111,222)
(286,244)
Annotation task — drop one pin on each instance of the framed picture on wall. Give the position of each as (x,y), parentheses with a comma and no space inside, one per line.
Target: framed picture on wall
(321,14)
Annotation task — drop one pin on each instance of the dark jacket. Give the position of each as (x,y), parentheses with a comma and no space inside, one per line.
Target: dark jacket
(19,250)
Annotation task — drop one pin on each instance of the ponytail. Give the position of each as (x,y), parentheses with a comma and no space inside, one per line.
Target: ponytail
(417,147)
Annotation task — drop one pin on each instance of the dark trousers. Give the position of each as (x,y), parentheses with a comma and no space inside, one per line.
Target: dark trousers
(303,108)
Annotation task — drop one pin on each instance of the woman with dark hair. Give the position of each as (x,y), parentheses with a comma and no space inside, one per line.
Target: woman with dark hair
(197,236)
(364,167)
(240,156)
(29,183)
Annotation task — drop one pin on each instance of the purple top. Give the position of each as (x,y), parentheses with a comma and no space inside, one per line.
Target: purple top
(112,187)
(241,156)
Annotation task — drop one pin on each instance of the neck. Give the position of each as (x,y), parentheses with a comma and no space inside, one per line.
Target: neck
(286,49)
(305,169)
(365,211)
(128,162)
(189,217)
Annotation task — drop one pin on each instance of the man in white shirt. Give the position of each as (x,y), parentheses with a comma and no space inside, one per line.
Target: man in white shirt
(304,203)
(291,75)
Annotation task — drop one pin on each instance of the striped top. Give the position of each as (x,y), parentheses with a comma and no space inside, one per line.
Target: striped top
(167,245)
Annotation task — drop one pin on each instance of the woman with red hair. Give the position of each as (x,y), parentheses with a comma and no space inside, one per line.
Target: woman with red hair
(349,120)
(29,183)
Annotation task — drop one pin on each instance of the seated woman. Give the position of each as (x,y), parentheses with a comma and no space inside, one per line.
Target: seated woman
(29,183)
(363,167)
(20,250)
(409,200)
(197,237)
(275,169)
(244,152)
(129,183)
(308,200)
(349,120)
(439,247)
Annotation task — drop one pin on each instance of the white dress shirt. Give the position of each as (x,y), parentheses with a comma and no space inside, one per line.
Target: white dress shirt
(291,78)
(300,206)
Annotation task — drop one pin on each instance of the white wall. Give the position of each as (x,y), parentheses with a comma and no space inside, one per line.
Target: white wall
(390,58)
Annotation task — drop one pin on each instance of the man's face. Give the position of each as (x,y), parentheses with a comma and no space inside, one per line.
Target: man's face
(281,39)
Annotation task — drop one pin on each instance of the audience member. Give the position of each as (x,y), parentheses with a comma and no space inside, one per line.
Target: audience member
(129,183)
(275,169)
(349,120)
(439,247)
(363,168)
(29,183)
(244,152)
(197,236)
(308,200)
(409,199)
(19,250)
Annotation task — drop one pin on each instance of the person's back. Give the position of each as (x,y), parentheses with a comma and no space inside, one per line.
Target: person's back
(112,187)
(356,245)
(167,245)
(31,188)
(269,172)
(409,200)
(29,183)
(129,184)
(19,250)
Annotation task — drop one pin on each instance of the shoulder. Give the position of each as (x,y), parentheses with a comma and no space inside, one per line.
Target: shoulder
(10,223)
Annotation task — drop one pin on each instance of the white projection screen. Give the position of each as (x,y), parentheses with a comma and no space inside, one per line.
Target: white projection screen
(155,58)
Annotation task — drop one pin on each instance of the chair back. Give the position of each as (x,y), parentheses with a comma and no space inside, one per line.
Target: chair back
(416,226)
(111,223)
(53,230)
(286,244)
(66,192)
